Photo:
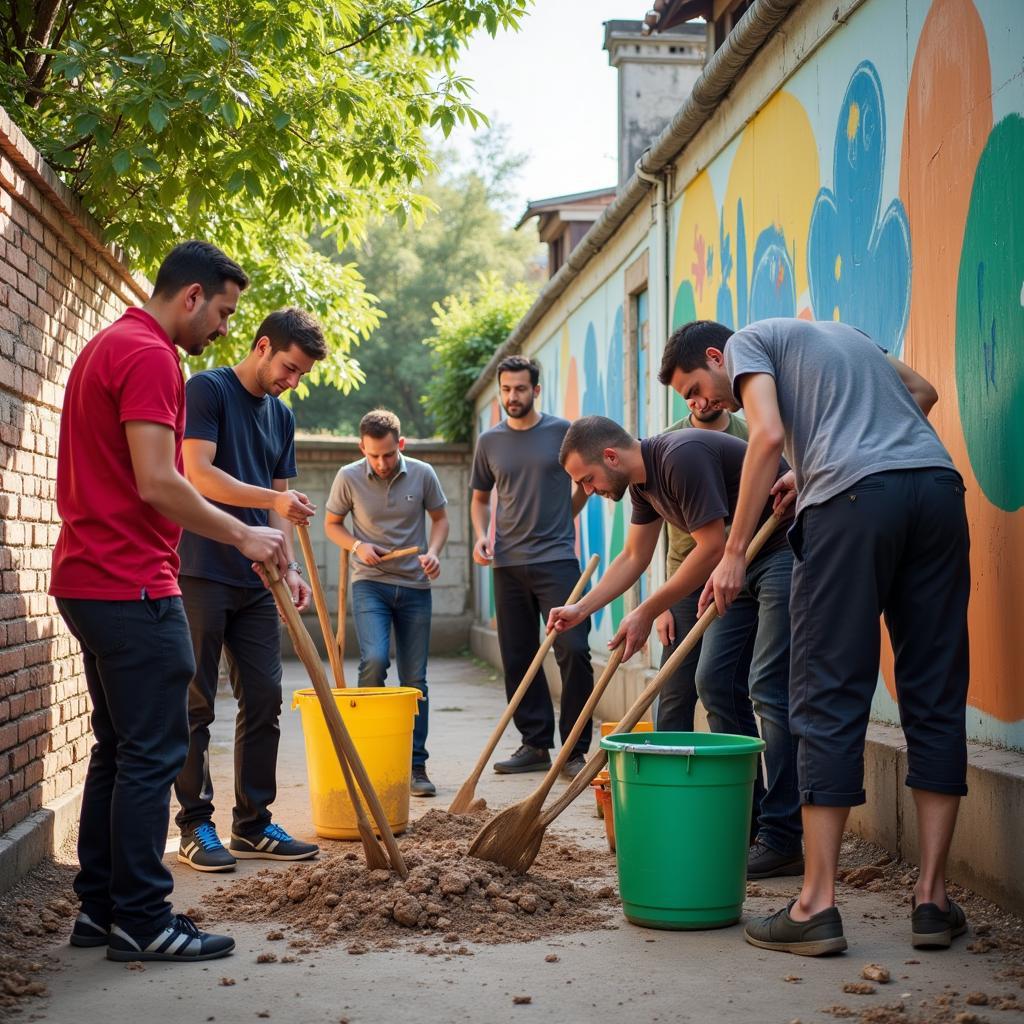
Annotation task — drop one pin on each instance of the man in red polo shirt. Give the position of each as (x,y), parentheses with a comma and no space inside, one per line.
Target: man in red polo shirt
(123,501)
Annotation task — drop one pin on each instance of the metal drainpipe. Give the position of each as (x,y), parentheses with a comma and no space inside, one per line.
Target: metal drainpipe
(659,275)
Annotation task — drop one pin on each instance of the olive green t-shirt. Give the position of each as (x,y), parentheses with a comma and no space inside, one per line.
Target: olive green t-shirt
(680,543)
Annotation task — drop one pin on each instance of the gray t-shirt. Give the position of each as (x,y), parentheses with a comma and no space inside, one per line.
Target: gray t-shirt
(845,411)
(389,513)
(534,514)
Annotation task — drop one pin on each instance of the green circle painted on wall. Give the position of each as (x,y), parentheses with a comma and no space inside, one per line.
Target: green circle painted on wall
(990,318)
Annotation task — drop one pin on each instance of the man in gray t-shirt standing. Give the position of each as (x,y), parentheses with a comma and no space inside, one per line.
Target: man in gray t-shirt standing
(389,496)
(880,529)
(534,561)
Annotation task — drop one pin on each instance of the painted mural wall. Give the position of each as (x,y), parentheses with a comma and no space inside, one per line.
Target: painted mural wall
(881,185)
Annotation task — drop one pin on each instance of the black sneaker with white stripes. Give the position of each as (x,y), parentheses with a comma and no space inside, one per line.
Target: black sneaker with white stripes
(180,942)
(88,931)
(273,843)
(201,848)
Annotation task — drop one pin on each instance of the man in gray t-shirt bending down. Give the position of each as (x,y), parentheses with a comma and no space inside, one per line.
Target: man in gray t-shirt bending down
(534,558)
(880,529)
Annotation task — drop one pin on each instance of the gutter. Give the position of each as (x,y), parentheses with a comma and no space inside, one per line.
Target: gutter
(718,77)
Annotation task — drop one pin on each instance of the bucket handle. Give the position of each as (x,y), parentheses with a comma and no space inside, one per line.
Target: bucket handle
(651,748)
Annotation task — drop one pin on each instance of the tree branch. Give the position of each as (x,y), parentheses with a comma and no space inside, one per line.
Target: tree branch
(384,24)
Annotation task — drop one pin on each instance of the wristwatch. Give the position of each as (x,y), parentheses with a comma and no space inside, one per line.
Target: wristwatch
(295,567)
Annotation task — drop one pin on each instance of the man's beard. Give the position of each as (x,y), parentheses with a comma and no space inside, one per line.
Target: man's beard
(522,412)
(618,484)
(707,417)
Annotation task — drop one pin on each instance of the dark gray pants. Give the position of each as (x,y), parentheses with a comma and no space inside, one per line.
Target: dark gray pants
(138,662)
(243,622)
(893,544)
(523,596)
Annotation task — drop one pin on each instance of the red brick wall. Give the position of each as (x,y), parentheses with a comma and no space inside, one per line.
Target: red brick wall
(58,286)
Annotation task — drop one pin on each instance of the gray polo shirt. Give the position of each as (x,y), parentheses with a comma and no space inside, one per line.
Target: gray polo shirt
(534,512)
(845,411)
(389,513)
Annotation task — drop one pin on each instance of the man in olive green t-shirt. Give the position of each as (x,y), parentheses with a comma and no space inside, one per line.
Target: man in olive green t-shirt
(679,694)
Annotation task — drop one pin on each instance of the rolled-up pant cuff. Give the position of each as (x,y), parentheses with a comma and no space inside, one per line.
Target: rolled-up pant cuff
(822,798)
(947,788)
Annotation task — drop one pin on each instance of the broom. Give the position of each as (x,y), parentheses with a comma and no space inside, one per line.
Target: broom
(518,850)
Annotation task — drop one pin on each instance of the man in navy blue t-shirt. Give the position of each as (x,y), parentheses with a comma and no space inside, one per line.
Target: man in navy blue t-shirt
(239,452)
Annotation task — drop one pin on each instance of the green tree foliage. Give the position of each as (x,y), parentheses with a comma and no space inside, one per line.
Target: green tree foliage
(250,124)
(468,329)
(409,269)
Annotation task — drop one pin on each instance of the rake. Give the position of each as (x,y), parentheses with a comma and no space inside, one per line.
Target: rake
(517,850)
(464,801)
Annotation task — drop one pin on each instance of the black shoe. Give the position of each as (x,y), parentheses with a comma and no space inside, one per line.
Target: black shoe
(201,848)
(273,843)
(525,759)
(421,785)
(574,766)
(181,941)
(87,932)
(764,862)
(931,928)
(818,936)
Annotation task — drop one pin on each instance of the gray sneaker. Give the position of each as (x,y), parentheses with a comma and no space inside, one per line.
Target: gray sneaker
(525,759)
(931,928)
(765,862)
(820,935)
(273,843)
(421,784)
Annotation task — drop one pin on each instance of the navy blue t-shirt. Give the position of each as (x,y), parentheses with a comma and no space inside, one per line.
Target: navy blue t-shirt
(255,440)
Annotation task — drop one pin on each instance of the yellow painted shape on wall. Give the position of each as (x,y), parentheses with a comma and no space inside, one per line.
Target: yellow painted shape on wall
(777,175)
(698,229)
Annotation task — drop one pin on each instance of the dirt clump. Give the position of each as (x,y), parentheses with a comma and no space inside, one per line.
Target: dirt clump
(447,894)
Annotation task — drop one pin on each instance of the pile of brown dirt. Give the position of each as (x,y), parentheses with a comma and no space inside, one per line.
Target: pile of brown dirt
(36,913)
(448,895)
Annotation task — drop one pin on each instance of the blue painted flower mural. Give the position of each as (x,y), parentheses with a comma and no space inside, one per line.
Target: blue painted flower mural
(858,262)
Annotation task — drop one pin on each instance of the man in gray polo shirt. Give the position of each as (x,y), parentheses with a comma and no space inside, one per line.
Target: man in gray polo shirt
(387,494)
(534,559)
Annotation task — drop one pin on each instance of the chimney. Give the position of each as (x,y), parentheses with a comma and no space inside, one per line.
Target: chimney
(656,74)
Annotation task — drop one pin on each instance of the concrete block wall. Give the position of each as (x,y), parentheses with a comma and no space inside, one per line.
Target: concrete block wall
(59,285)
(319,459)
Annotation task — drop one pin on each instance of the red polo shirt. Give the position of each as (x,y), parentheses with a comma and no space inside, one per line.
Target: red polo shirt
(112,545)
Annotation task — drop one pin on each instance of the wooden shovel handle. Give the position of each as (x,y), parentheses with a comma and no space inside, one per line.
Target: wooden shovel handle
(636,711)
(320,601)
(506,715)
(400,553)
(345,749)
(342,598)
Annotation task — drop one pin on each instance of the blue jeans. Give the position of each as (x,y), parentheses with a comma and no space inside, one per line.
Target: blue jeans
(376,607)
(761,609)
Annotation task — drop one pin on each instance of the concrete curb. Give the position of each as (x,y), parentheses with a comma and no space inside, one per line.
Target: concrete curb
(39,836)
(987,854)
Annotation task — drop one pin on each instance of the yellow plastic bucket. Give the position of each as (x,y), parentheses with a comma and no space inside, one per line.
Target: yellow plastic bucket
(380,721)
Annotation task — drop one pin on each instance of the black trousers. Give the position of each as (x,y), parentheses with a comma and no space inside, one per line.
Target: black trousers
(138,662)
(893,544)
(241,621)
(523,596)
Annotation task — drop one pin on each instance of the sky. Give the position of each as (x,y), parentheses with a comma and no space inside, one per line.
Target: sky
(553,89)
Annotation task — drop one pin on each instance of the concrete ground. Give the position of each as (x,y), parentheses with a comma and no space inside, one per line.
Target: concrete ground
(627,973)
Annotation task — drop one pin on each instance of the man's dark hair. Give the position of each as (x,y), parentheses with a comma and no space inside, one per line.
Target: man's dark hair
(197,263)
(686,349)
(516,364)
(378,423)
(291,326)
(590,435)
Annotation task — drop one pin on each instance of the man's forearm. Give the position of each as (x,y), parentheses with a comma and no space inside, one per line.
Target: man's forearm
(760,471)
(438,536)
(619,577)
(480,516)
(282,524)
(174,497)
(216,485)
(337,533)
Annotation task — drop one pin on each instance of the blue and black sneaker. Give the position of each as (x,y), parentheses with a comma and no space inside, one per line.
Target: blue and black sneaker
(273,843)
(202,849)
(181,941)
(87,931)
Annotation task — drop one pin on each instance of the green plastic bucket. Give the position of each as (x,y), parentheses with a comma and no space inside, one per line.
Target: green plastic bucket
(682,804)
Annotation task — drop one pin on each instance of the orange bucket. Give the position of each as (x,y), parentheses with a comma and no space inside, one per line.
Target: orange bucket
(603,793)
(607,728)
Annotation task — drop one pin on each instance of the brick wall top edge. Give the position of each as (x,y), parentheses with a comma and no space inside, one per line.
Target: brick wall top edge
(306,443)
(29,161)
